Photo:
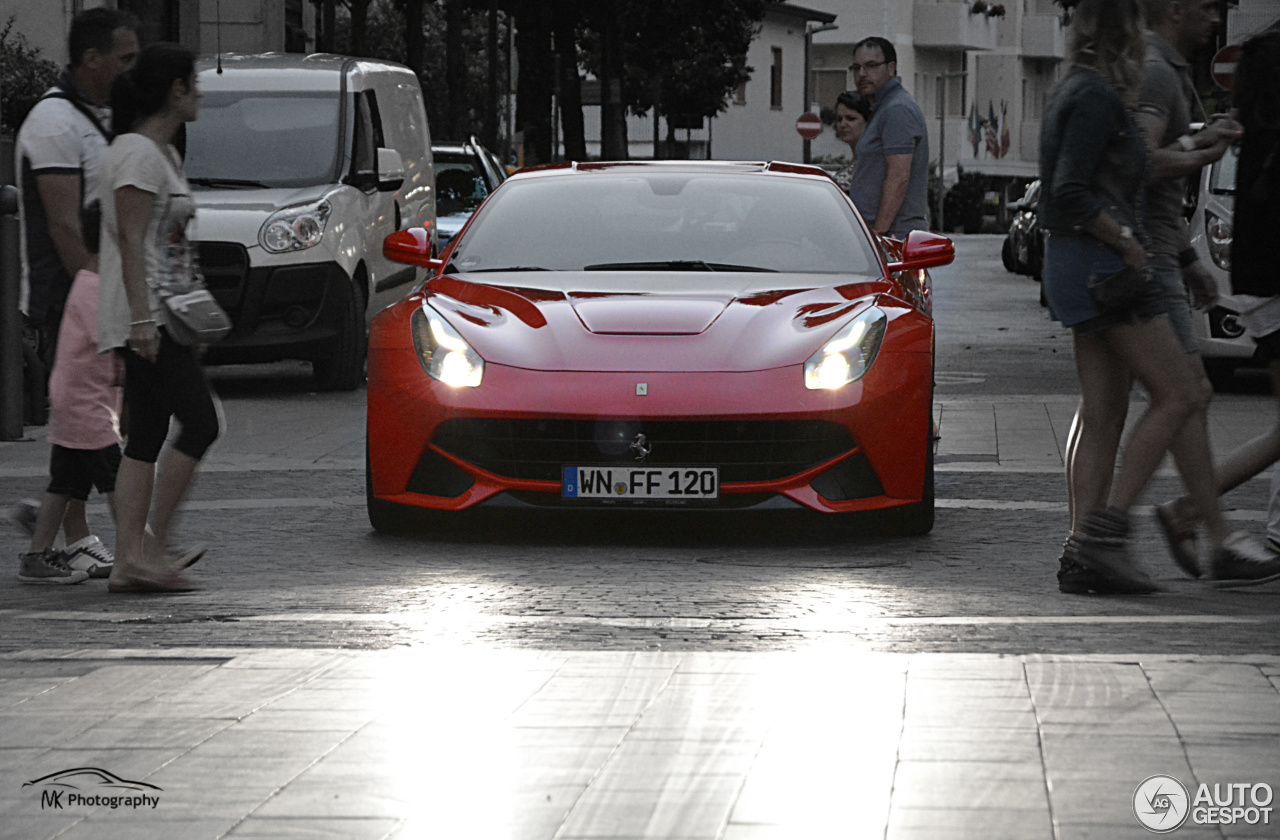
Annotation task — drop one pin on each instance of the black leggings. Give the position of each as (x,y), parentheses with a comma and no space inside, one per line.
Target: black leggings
(172,386)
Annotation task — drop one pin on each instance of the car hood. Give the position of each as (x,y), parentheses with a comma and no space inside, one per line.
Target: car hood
(617,321)
(236,215)
(266,200)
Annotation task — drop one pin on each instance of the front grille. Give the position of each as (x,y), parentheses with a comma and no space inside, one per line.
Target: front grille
(226,267)
(761,450)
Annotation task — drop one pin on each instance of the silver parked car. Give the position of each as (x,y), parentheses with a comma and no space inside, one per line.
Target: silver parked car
(1223,343)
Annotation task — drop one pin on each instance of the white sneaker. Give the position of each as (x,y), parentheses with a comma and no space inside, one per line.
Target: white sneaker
(89,555)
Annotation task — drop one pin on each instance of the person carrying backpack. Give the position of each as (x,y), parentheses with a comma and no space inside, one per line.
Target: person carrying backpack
(59,151)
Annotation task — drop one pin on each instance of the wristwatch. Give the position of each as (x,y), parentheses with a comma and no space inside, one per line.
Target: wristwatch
(1126,232)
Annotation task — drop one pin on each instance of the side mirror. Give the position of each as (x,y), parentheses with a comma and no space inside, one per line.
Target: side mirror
(411,247)
(924,250)
(390,170)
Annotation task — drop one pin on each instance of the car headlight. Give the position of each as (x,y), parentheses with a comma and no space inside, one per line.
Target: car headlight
(1218,234)
(443,353)
(295,228)
(849,354)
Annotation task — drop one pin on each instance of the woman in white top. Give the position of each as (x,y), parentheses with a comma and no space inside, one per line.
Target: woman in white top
(146,205)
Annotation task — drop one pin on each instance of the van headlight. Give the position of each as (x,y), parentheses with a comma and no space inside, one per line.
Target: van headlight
(295,228)
(442,352)
(849,354)
(1218,234)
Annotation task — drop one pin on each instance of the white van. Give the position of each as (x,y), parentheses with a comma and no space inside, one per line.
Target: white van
(300,166)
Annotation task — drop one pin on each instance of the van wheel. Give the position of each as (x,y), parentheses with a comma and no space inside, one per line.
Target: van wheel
(1221,373)
(344,370)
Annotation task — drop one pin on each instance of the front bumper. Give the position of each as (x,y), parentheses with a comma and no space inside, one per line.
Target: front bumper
(877,460)
(279,312)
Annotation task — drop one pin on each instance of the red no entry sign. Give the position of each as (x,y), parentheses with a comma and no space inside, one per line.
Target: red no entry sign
(808,126)
(1224,64)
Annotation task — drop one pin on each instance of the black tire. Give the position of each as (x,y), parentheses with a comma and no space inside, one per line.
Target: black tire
(1043,301)
(1006,255)
(1221,373)
(343,370)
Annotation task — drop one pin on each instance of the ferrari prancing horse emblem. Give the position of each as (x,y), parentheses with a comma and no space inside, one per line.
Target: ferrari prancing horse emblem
(641,447)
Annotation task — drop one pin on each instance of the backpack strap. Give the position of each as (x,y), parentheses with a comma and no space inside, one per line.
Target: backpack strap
(60,93)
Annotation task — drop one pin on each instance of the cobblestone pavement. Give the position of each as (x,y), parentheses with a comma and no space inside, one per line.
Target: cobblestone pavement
(294,563)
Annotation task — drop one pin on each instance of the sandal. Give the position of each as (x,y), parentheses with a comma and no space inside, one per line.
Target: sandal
(188,556)
(1180,539)
(167,581)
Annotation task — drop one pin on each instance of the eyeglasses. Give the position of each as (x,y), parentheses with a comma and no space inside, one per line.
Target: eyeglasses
(869,66)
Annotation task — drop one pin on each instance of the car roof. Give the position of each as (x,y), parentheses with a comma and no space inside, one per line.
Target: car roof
(284,71)
(709,167)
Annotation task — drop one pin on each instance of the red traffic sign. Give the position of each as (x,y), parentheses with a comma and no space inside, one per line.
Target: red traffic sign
(808,126)
(1224,64)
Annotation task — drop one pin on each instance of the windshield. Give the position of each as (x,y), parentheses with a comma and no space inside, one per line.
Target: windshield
(1222,178)
(266,139)
(460,186)
(681,221)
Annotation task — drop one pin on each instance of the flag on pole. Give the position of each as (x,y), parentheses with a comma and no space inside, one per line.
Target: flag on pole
(1004,128)
(975,128)
(993,129)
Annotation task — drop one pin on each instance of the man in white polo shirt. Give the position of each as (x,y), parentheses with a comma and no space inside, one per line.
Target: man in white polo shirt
(59,148)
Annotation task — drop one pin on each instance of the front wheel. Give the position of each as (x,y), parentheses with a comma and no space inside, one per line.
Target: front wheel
(916,519)
(343,369)
(1006,255)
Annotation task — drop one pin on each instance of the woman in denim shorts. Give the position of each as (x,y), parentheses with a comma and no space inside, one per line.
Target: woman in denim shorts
(1092,165)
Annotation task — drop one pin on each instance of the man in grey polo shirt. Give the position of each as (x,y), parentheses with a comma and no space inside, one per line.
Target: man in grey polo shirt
(1167,106)
(891,183)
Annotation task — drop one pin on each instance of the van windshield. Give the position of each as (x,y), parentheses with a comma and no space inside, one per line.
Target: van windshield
(251,138)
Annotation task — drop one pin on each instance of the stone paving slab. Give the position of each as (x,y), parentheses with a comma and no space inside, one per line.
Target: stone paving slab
(470,741)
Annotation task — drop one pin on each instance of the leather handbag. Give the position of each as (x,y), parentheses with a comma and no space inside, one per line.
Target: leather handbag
(194,317)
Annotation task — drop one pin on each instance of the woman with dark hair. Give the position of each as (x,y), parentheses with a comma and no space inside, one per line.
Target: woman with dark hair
(1092,165)
(146,205)
(853,112)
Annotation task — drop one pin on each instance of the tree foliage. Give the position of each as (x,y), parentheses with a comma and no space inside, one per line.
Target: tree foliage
(455,103)
(24,76)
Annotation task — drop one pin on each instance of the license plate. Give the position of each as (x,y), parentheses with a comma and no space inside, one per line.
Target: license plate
(641,483)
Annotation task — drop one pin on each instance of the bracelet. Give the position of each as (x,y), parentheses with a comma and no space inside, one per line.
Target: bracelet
(1187,256)
(143,321)
(1187,142)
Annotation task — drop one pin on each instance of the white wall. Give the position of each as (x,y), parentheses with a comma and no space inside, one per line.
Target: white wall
(755,130)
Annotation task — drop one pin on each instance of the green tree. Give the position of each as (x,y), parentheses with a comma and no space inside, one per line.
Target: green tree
(24,77)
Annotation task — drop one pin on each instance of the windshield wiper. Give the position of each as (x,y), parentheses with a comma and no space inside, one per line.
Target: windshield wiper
(672,265)
(511,268)
(225,182)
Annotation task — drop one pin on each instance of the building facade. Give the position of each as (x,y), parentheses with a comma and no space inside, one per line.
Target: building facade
(760,120)
(981,72)
(242,26)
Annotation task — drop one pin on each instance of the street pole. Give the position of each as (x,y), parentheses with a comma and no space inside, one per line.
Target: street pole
(10,319)
(808,46)
(942,146)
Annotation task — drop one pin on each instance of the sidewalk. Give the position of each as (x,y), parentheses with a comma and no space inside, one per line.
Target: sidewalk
(473,743)
(1030,432)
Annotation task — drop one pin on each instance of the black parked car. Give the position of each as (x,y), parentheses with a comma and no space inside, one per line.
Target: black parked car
(466,173)
(1023,250)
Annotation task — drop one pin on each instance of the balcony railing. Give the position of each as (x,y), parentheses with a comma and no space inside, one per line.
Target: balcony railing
(950,25)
